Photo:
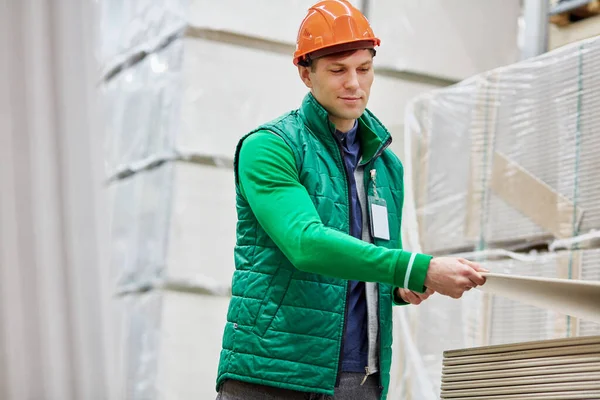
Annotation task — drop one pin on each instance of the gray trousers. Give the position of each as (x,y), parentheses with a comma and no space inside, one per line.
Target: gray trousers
(349,389)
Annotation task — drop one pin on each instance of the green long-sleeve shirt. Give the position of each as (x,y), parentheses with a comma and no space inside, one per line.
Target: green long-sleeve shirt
(269,181)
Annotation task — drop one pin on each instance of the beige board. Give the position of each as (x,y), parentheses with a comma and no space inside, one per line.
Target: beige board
(521,372)
(532,197)
(532,387)
(569,376)
(563,35)
(537,345)
(575,298)
(568,266)
(516,364)
(579,395)
(590,349)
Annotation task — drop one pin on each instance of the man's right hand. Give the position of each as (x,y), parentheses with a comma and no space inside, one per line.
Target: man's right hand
(453,276)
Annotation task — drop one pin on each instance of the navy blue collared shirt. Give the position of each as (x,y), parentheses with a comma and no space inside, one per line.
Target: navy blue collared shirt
(355,352)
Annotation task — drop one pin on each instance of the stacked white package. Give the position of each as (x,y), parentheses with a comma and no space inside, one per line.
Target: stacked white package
(172,343)
(173,223)
(195,96)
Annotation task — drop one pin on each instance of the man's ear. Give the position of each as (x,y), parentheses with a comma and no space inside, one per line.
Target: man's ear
(304,73)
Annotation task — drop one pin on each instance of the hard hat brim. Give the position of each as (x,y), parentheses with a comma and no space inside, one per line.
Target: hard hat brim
(339,48)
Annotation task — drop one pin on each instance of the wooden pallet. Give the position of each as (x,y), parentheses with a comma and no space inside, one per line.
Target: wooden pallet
(559,36)
(566,18)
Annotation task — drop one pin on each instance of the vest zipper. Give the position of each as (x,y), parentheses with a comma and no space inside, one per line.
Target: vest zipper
(385,146)
(372,162)
(339,371)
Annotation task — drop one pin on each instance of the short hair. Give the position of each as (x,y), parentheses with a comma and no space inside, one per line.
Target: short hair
(308,61)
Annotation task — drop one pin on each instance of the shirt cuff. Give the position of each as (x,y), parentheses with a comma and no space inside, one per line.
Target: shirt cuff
(411,271)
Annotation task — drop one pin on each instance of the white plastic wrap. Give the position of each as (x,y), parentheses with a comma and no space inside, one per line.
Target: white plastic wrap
(174,222)
(195,96)
(130,27)
(172,343)
(134,26)
(509,156)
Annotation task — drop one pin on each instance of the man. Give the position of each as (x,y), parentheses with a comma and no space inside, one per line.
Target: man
(319,259)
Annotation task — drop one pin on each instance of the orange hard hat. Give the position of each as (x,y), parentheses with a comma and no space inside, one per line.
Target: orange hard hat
(329,24)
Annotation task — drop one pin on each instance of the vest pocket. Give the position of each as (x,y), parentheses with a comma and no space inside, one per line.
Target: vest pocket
(273,298)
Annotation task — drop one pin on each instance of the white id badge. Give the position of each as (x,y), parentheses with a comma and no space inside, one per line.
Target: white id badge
(379,218)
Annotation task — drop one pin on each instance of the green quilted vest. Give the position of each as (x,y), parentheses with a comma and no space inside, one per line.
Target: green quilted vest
(284,326)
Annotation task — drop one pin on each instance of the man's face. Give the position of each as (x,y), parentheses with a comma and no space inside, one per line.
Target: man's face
(341,84)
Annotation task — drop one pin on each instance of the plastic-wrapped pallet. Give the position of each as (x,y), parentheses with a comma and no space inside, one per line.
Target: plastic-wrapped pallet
(509,156)
(194,96)
(173,223)
(171,345)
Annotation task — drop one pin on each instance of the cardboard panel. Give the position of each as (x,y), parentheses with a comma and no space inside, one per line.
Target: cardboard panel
(532,197)
(575,298)
(521,372)
(526,363)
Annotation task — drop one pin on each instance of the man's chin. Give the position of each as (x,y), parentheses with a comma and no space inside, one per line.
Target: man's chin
(350,112)
(353,114)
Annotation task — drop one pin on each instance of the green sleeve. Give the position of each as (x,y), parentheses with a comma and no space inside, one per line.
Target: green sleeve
(269,181)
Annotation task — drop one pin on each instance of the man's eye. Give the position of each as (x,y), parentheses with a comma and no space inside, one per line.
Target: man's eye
(364,69)
(337,71)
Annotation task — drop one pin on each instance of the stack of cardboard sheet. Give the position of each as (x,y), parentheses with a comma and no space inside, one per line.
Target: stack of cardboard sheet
(553,369)
(481,318)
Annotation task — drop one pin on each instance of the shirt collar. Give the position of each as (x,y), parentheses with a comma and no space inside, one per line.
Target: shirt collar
(349,138)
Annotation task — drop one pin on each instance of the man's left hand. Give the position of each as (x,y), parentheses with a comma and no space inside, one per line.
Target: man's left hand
(413,297)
